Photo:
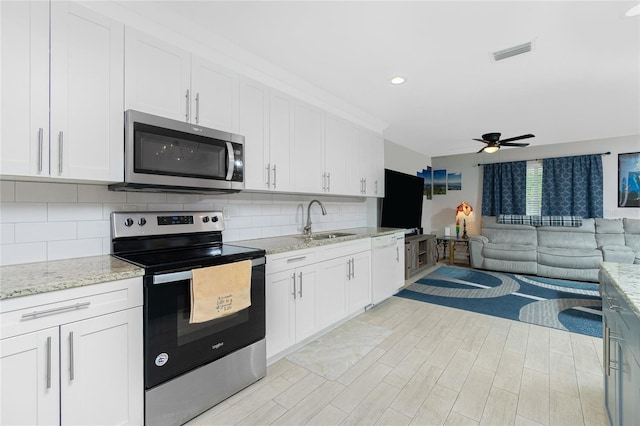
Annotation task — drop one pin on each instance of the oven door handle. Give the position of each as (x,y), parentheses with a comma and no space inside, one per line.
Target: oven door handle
(187,275)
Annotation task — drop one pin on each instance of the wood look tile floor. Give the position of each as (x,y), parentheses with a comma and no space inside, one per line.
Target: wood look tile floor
(440,366)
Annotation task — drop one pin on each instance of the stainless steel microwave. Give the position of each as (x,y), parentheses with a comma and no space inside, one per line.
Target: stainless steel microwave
(164,155)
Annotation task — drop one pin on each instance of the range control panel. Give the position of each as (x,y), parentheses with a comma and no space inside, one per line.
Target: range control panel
(135,224)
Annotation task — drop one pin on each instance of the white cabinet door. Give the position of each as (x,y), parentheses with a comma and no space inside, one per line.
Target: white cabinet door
(305,287)
(332,293)
(280,316)
(30,393)
(354,172)
(87,86)
(307,164)
(24,128)
(254,126)
(214,100)
(376,169)
(359,286)
(101,360)
(335,155)
(157,77)
(280,140)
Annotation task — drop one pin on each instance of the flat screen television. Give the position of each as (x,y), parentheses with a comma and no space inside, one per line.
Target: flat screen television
(402,203)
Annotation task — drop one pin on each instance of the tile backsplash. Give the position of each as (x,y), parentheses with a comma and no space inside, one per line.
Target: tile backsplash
(50,221)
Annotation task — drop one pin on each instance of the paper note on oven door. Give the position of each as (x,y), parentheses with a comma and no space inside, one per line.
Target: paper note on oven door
(220,290)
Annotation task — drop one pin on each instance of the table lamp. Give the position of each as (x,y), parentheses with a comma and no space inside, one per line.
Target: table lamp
(464,212)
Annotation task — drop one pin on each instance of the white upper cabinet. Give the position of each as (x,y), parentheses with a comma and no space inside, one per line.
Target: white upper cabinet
(280,141)
(83,139)
(214,98)
(25,88)
(165,80)
(157,76)
(376,169)
(308,139)
(336,138)
(86,94)
(254,126)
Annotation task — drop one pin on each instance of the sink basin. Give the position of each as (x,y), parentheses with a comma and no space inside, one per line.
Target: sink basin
(325,236)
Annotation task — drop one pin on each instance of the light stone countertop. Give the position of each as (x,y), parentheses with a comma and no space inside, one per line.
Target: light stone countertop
(286,243)
(41,277)
(626,278)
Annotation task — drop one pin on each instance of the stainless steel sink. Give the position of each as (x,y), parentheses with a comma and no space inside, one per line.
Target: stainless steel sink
(325,236)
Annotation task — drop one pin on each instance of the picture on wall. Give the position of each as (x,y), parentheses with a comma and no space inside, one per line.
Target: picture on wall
(629,179)
(454,181)
(427,175)
(440,182)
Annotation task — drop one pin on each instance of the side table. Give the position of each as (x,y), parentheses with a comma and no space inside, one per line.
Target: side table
(451,243)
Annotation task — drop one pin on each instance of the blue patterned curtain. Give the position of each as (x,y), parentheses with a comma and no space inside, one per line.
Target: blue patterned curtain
(572,186)
(504,188)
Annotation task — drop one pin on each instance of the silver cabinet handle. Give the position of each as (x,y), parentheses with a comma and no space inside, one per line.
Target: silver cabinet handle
(365,186)
(72,373)
(606,353)
(274,176)
(294,285)
(53,311)
(611,304)
(397,254)
(324,181)
(353,268)
(60,150)
(186,112)
(376,186)
(48,362)
(349,269)
(296,259)
(197,107)
(300,292)
(40,148)
(328,182)
(268,180)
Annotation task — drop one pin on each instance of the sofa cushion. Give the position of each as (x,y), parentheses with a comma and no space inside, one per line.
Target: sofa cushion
(569,257)
(581,238)
(631,226)
(513,252)
(609,232)
(566,221)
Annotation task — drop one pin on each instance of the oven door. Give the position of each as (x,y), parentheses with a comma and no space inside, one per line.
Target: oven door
(172,346)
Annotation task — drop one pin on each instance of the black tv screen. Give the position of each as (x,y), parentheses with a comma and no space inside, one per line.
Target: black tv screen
(402,203)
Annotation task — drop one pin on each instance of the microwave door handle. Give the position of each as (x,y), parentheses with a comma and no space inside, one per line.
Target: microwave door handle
(230,160)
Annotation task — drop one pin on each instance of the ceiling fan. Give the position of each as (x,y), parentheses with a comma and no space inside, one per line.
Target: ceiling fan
(494,143)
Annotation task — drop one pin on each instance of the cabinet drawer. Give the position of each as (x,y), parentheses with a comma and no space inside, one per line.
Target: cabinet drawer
(291,259)
(333,251)
(30,313)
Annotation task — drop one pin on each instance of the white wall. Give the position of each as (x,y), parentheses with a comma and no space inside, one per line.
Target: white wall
(443,206)
(49,221)
(404,160)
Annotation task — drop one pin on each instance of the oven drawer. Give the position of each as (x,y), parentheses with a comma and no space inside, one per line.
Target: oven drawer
(31,313)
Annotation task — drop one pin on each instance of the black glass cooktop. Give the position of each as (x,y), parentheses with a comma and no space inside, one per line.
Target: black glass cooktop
(193,257)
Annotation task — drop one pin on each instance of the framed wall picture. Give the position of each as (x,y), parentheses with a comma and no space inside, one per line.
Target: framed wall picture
(629,179)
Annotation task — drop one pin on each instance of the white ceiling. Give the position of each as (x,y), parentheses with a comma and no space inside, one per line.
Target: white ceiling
(581,81)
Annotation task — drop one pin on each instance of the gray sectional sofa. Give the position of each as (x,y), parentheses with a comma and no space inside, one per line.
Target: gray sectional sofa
(566,252)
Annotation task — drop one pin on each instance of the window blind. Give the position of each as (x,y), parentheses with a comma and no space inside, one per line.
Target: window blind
(534,187)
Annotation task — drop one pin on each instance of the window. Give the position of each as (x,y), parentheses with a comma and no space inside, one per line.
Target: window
(534,187)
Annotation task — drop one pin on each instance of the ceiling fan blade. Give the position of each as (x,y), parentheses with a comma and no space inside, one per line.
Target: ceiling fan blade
(517,138)
(480,140)
(480,150)
(513,144)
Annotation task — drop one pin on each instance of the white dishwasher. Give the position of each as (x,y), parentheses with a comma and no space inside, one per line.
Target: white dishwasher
(387,266)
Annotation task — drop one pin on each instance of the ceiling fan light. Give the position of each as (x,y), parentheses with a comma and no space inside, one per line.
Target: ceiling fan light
(491,149)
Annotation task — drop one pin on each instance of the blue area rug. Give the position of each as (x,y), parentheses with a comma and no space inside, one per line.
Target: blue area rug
(566,305)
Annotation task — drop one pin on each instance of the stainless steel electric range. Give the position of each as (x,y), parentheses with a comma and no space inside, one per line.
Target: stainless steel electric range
(190,367)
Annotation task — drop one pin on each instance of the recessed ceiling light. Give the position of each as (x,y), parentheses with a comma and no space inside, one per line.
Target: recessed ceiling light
(634,11)
(398,80)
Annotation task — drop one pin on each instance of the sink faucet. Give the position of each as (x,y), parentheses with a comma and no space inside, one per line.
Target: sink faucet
(307,228)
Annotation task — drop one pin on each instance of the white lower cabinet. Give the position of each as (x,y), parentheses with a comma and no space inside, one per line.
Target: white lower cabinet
(290,300)
(310,290)
(77,360)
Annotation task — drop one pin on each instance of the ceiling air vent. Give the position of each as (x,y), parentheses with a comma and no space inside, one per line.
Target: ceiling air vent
(512,51)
